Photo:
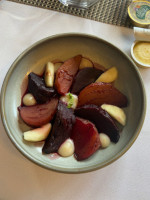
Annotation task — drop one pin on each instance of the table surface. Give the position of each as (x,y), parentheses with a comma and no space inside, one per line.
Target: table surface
(126,179)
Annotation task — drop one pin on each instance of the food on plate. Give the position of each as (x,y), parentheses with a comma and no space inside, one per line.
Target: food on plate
(115,112)
(86,139)
(102,120)
(108,76)
(66,73)
(104,139)
(86,62)
(71,100)
(85,77)
(38,134)
(29,100)
(61,129)
(100,93)
(49,74)
(39,114)
(37,87)
(67,148)
(71,112)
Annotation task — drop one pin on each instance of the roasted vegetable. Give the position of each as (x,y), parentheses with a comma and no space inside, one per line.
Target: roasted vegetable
(49,74)
(100,93)
(66,73)
(85,77)
(36,86)
(39,114)
(86,139)
(102,120)
(61,130)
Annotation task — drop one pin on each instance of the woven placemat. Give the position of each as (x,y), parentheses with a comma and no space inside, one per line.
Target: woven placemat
(106,11)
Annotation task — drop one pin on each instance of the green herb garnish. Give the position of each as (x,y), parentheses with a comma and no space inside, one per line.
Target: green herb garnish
(70,103)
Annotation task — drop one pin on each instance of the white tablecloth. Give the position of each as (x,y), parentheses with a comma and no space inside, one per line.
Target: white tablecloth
(126,179)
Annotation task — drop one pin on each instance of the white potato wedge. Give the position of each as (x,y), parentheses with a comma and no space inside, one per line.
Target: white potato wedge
(104,140)
(85,62)
(49,74)
(108,76)
(115,112)
(70,99)
(66,149)
(38,134)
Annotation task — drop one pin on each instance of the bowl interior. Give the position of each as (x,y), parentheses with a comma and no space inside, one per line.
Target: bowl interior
(63,47)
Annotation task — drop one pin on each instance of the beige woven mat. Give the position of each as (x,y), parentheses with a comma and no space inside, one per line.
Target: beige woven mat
(106,11)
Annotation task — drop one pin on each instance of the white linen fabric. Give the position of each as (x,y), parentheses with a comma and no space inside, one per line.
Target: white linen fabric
(126,179)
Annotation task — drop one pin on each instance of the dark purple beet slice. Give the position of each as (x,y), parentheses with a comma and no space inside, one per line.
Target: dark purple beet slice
(61,130)
(37,87)
(102,120)
(85,77)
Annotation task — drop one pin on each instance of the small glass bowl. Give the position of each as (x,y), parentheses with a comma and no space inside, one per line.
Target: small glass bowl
(84,4)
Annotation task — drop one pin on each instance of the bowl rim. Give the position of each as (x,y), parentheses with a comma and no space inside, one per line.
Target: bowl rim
(140,64)
(60,169)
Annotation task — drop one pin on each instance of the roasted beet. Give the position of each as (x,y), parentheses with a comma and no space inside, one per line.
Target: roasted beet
(40,114)
(100,93)
(36,86)
(85,77)
(102,120)
(66,73)
(61,129)
(86,138)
